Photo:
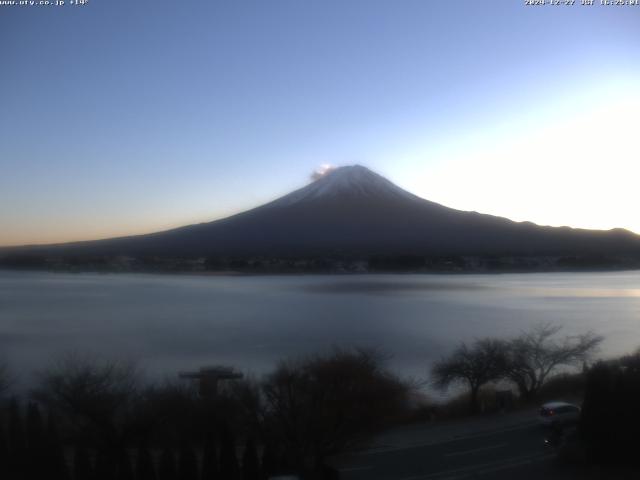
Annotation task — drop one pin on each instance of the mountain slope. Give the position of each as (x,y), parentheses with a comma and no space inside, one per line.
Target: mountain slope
(354,211)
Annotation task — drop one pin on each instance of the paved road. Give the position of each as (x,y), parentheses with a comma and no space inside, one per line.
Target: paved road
(509,452)
(498,447)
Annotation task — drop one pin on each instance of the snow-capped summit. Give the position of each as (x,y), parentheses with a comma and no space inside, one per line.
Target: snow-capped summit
(350,181)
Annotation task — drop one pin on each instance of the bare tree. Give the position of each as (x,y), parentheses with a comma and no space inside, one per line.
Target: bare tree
(476,365)
(93,395)
(533,356)
(330,403)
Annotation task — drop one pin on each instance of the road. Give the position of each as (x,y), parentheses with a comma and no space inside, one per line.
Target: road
(497,453)
(498,447)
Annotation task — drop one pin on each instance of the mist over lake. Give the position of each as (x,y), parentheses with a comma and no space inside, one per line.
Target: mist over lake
(173,322)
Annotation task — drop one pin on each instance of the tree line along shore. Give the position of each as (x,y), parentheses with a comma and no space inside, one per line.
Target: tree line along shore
(89,418)
(338,263)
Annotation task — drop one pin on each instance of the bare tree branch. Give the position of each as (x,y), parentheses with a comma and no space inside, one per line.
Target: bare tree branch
(476,365)
(330,403)
(90,392)
(535,355)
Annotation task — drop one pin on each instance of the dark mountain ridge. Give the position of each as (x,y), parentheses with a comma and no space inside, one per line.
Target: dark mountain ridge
(355,212)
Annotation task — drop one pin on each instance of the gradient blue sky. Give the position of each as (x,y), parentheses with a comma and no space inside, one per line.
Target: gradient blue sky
(125,116)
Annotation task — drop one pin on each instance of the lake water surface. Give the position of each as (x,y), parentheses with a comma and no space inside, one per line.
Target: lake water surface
(173,322)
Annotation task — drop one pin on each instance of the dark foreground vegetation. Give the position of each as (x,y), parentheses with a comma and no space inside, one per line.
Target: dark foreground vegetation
(88,419)
(525,362)
(610,420)
(534,365)
(100,420)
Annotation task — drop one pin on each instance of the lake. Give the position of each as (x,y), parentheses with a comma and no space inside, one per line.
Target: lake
(173,322)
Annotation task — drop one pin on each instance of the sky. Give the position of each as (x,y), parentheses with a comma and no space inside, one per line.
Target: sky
(120,117)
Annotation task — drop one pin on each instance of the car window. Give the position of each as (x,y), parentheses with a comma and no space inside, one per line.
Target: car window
(567,409)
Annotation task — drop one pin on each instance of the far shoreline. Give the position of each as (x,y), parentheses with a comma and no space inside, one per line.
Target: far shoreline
(346,274)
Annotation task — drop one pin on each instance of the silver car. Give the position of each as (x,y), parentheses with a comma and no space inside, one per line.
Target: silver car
(558,414)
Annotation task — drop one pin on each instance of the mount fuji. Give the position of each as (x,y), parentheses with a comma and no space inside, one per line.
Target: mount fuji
(355,212)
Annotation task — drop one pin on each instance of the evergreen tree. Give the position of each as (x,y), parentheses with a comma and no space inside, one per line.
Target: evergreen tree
(610,432)
(229,469)
(55,461)
(105,465)
(210,460)
(35,429)
(82,468)
(145,469)
(250,464)
(167,467)
(269,464)
(125,472)
(4,454)
(16,440)
(36,445)
(187,464)
(286,464)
